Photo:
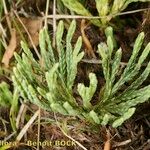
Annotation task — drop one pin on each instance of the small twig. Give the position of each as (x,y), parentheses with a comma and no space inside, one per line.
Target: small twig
(7,18)
(46,12)
(96,61)
(54,22)
(131,12)
(118,144)
(94,17)
(89,49)
(2,31)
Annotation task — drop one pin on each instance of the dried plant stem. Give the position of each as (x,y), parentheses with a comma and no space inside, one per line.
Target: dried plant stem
(2,31)
(94,17)
(46,12)
(89,49)
(7,18)
(39,126)
(96,61)
(25,128)
(21,110)
(54,22)
(36,51)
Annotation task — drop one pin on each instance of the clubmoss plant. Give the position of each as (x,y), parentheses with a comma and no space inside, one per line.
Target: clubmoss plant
(106,9)
(113,103)
(5,95)
(9,99)
(49,83)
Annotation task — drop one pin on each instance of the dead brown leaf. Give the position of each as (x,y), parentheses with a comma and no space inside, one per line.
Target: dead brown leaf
(10,49)
(89,49)
(33,25)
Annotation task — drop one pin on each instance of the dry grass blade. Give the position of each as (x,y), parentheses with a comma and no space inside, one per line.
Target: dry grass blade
(89,49)
(78,143)
(7,17)
(25,128)
(10,136)
(21,111)
(118,144)
(39,128)
(94,17)
(2,31)
(54,22)
(46,13)
(10,49)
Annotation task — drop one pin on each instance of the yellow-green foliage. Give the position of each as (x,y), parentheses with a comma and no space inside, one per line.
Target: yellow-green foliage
(106,9)
(9,99)
(5,95)
(49,83)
